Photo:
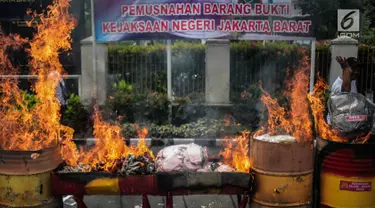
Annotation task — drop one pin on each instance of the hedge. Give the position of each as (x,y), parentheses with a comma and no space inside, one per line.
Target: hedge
(203,128)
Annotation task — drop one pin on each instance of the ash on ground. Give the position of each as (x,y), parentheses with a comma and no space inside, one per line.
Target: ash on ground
(130,165)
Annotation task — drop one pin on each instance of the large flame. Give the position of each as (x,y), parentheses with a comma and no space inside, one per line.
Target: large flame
(109,146)
(23,128)
(236,154)
(37,128)
(295,122)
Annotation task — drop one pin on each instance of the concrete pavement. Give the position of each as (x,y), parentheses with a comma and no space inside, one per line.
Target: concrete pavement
(206,201)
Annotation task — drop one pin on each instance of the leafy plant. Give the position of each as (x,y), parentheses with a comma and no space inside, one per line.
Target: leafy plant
(75,115)
(245,105)
(157,107)
(122,87)
(30,100)
(133,106)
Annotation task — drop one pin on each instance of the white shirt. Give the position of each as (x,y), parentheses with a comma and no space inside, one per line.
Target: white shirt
(337,85)
(336,88)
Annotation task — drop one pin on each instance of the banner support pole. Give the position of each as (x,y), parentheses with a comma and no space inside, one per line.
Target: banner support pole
(312,65)
(94,79)
(169,76)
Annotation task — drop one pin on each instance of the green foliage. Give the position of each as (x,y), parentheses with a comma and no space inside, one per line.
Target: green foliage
(202,128)
(135,107)
(75,115)
(369,26)
(155,108)
(122,87)
(245,106)
(30,100)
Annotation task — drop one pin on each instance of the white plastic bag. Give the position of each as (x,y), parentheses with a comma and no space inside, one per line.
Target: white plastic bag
(180,158)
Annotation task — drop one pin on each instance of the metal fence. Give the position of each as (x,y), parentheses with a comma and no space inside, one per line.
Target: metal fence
(366,55)
(148,71)
(72,82)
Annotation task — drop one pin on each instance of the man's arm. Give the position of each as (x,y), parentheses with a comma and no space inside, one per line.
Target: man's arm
(347,72)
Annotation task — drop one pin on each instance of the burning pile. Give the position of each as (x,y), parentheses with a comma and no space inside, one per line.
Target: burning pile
(296,121)
(111,154)
(236,154)
(130,165)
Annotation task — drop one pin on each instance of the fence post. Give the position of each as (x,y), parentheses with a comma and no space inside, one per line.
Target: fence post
(345,47)
(88,86)
(217,72)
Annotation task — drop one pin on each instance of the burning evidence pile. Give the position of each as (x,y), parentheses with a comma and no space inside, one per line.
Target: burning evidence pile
(293,120)
(111,154)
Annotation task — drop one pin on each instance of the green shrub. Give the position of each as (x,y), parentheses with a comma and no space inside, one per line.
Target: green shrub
(134,107)
(245,104)
(76,116)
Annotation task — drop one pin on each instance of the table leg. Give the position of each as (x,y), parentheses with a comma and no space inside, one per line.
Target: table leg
(239,199)
(80,202)
(169,203)
(145,201)
(243,202)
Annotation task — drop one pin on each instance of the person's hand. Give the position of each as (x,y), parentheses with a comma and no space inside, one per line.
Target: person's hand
(343,63)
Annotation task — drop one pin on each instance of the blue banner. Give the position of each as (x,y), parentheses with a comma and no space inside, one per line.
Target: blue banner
(117,20)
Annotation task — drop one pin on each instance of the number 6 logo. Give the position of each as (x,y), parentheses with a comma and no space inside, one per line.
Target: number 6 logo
(348,20)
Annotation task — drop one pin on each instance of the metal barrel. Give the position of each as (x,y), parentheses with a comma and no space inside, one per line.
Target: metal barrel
(25,178)
(283,174)
(346,174)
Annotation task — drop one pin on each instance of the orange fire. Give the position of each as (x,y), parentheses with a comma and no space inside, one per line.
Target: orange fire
(236,154)
(23,128)
(37,128)
(109,146)
(295,122)
(318,104)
